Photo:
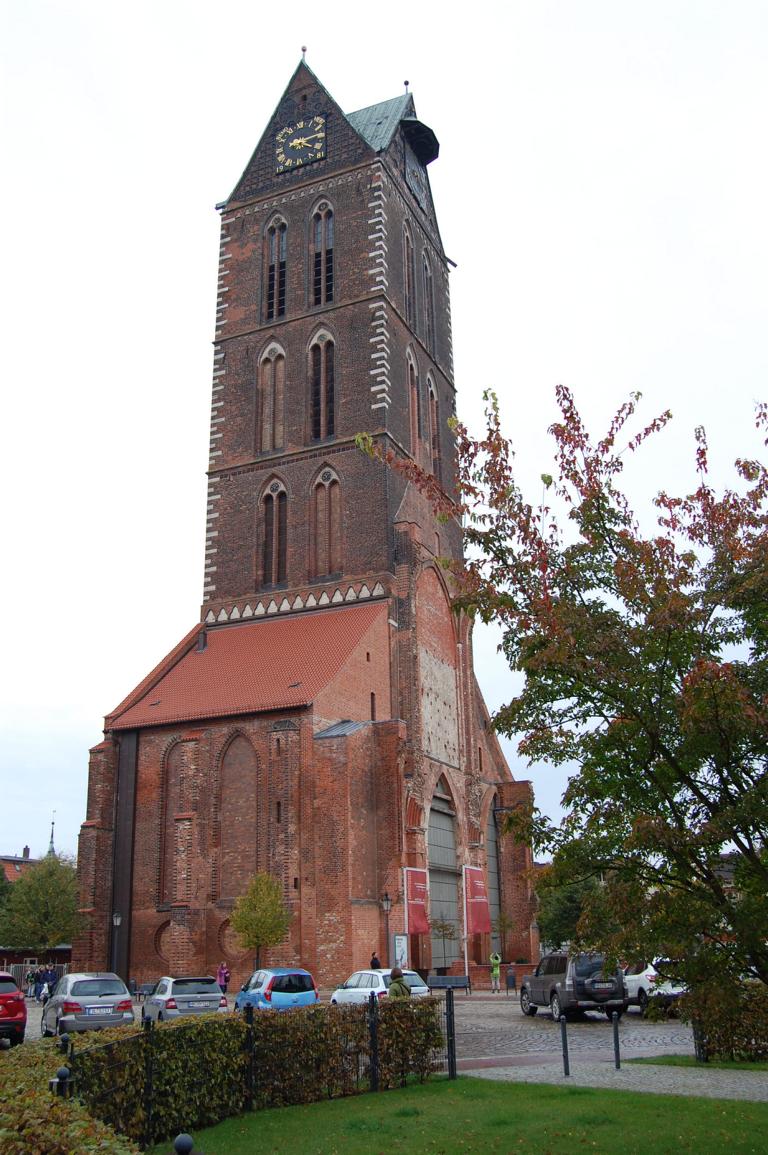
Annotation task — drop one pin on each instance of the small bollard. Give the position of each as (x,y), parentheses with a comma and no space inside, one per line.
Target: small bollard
(616,1054)
(59,1085)
(183,1144)
(564,1040)
(63,1043)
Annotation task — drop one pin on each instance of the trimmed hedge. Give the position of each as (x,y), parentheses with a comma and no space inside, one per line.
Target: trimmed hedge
(729,1021)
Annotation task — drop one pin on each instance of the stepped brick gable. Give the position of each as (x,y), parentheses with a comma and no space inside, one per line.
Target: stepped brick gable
(321,721)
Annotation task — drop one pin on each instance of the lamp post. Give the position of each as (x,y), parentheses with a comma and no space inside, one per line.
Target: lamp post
(117,918)
(386,906)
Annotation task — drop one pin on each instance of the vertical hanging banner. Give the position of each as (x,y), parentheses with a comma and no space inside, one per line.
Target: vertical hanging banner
(476,901)
(416,899)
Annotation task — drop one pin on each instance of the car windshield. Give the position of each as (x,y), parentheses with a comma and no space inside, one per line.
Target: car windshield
(94,987)
(292,984)
(196,987)
(588,964)
(7,987)
(410,978)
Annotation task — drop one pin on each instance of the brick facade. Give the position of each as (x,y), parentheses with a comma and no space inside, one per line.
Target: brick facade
(301,525)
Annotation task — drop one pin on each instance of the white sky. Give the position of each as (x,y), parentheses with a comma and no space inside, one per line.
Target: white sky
(602,187)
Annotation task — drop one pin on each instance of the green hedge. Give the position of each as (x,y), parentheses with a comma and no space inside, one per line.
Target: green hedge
(729,1021)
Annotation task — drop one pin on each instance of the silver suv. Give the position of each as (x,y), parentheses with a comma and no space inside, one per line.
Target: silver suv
(568,985)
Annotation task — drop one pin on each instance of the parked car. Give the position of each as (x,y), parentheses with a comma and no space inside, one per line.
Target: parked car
(278,989)
(13,1010)
(87,1002)
(174,997)
(362,984)
(568,985)
(644,982)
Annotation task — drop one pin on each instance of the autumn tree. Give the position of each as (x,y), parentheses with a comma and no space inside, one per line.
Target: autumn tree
(260,917)
(561,906)
(41,909)
(644,657)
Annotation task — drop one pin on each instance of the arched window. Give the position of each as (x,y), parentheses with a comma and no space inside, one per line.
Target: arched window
(322,400)
(409,279)
(275,249)
(275,515)
(326,525)
(434,427)
(270,400)
(322,254)
(414,404)
(429,305)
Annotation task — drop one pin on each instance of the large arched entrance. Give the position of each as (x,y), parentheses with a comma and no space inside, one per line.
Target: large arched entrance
(443,878)
(493,873)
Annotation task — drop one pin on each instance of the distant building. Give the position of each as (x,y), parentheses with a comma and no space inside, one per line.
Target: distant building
(14,867)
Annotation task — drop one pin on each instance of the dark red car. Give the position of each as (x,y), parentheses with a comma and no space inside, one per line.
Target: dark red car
(13,1010)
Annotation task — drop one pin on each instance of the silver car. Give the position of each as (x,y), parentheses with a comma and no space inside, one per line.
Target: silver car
(86,1002)
(173,997)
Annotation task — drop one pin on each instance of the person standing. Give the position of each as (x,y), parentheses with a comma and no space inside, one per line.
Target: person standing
(29,979)
(398,988)
(223,975)
(495,972)
(375,962)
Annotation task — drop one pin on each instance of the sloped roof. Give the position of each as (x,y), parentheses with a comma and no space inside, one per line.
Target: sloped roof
(378,123)
(13,867)
(272,664)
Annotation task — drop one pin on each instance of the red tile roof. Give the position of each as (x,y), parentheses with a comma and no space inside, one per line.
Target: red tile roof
(271,664)
(14,867)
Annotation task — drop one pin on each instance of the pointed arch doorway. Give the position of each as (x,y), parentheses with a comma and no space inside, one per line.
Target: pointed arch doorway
(444,873)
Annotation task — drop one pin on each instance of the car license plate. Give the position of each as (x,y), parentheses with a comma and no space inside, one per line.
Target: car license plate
(206,1003)
(99,1010)
(603,986)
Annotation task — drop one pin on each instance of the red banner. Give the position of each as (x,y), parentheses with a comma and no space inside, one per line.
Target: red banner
(476,901)
(417,896)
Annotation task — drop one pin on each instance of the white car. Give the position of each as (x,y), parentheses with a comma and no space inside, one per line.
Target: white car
(362,984)
(645,982)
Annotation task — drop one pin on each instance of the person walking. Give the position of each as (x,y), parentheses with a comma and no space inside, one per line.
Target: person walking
(29,979)
(398,988)
(495,972)
(223,975)
(375,964)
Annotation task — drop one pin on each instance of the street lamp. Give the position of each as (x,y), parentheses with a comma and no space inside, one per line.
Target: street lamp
(386,906)
(117,918)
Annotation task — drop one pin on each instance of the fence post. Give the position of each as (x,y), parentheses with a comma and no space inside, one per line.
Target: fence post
(616,1053)
(250,1068)
(564,1041)
(149,1065)
(450,1033)
(373,1031)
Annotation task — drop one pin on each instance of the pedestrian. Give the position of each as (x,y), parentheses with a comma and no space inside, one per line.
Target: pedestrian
(223,975)
(398,988)
(495,972)
(39,983)
(375,962)
(29,979)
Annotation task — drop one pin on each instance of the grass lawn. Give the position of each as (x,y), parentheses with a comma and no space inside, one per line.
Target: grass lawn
(482,1116)
(689,1061)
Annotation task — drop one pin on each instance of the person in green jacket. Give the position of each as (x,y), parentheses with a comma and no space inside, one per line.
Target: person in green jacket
(398,988)
(495,971)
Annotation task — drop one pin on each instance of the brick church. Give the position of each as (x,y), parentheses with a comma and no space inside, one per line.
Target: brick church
(321,721)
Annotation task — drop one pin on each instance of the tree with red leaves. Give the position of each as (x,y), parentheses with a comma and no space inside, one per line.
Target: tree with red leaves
(645,665)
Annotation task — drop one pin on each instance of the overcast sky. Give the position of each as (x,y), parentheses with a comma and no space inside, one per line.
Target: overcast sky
(602,187)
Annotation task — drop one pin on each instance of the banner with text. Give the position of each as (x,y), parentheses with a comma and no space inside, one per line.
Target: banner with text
(476,901)
(416,899)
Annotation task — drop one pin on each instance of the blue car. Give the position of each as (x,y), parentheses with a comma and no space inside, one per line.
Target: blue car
(278,989)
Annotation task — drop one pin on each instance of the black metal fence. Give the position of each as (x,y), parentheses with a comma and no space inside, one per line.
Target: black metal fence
(130,1083)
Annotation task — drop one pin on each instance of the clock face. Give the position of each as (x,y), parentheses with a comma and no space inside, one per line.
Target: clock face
(300,143)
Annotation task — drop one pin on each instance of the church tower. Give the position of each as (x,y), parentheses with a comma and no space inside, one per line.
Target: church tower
(321,721)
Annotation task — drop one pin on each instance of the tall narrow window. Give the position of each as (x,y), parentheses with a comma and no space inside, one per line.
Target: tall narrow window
(414,403)
(322,398)
(434,429)
(429,306)
(275,513)
(270,402)
(322,255)
(409,278)
(326,525)
(276,244)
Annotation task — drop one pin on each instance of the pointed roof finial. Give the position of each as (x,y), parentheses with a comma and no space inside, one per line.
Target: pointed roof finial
(303,52)
(406,83)
(51,848)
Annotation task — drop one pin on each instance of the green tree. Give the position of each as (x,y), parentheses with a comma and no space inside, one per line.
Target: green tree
(644,657)
(41,911)
(446,931)
(560,909)
(260,917)
(5,891)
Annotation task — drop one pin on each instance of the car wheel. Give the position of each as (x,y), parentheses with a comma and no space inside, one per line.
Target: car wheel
(555,1008)
(17,1038)
(44,1030)
(643,1000)
(526,1006)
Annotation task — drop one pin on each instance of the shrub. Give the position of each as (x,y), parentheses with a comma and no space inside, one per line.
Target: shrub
(729,1021)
